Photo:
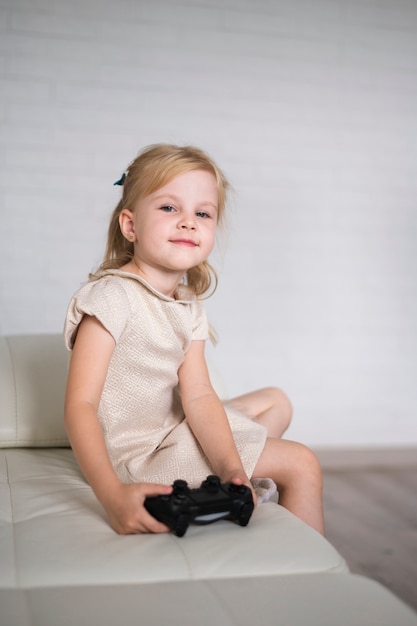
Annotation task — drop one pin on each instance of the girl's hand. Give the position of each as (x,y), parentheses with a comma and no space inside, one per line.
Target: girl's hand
(126,512)
(240,478)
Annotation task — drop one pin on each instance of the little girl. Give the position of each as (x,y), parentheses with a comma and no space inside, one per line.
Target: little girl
(140,410)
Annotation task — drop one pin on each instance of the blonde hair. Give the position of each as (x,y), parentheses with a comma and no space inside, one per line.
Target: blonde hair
(153,168)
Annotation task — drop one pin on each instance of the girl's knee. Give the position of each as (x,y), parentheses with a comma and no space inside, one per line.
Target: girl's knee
(309,464)
(281,403)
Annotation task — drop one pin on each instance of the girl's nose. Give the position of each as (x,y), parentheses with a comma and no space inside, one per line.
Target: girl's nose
(187,223)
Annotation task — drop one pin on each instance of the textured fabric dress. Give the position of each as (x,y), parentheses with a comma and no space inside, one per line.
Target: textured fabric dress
(146,433)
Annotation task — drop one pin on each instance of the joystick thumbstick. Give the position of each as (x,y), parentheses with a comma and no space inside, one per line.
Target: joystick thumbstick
(212,484)
(180,486)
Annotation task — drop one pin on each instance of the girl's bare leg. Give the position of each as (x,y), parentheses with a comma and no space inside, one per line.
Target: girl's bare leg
(296,471)
(269,407)
(292,466)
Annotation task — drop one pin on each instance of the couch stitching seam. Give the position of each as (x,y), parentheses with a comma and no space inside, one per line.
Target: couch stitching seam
(184,556)
(13,521)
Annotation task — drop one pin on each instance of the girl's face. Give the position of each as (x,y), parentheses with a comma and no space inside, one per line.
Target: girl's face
(173,229)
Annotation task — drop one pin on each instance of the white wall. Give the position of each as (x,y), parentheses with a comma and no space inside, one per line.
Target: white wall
(310,107)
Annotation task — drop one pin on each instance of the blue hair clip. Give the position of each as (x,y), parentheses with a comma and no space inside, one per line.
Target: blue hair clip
(121,179)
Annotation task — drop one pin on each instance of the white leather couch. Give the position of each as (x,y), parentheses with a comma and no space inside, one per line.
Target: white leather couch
(61,564)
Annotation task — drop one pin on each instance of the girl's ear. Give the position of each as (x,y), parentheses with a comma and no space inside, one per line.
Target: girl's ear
(127,225)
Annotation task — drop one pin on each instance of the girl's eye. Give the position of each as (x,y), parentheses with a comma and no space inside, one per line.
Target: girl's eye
(168,208)
(202,214)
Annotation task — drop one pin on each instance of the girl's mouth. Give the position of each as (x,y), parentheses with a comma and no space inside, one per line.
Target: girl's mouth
(185,242)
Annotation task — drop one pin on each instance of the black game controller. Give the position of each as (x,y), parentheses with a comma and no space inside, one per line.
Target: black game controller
(212,501)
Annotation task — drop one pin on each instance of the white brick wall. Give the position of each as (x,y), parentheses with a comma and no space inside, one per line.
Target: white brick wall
(311,109)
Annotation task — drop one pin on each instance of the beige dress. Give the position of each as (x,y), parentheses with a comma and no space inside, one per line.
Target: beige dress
(146,432)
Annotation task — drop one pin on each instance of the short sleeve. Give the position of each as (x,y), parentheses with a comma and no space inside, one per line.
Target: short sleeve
(200,322)
(104,299)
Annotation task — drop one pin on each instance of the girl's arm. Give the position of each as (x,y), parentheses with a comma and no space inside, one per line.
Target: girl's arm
(207,418)
(87,373)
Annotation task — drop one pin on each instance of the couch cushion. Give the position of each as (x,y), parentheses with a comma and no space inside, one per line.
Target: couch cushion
(61,536)
(33,372)
(319,600)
